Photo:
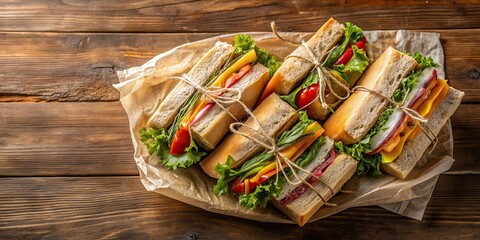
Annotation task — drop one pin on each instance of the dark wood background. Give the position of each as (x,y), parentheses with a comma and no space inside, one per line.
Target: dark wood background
(66,158)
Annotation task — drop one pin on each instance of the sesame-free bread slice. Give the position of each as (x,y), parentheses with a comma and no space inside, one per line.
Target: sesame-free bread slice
(414,149)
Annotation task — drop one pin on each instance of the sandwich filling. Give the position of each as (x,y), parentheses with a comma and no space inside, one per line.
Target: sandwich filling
(420,91)
(347,61)
(255,182)
(175,146)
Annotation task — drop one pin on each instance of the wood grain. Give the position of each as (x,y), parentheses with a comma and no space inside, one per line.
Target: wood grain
(74,67)
(81,66)
(47,139)
(119,207)
(93,138)
(232,16)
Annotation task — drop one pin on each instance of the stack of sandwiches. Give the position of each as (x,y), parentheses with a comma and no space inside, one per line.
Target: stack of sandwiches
(309,162)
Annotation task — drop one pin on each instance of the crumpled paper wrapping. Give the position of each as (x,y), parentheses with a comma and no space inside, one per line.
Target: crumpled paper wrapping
(143,88)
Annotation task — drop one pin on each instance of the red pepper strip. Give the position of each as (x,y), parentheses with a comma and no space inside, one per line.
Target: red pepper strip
(237,76)
(298,191)
(348,54)
(239,187)
(181,140)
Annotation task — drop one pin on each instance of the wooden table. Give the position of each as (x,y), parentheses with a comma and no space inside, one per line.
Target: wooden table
(66,157)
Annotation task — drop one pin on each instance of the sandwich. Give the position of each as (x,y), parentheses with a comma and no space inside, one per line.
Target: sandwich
(187,123)
(376,131)
(256,176)
(341,50)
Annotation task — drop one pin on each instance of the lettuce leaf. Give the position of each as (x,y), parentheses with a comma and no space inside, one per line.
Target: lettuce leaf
(352,34)
(306,157)
(296,132)
(156,141)
(261,195)
(255,164)
(244,43)
(368,165)
(227,174)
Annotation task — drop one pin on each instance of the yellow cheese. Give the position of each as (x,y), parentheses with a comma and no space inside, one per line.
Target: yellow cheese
(220,82)
(425,109)
(247,186)
(244,60)
(293,149)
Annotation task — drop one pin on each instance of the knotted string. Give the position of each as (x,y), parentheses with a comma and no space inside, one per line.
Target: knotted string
(417,118)
(325,78)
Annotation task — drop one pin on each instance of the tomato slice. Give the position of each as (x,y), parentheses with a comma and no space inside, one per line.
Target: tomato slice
(181,141)
(236,76)
(306,95)
(348,54)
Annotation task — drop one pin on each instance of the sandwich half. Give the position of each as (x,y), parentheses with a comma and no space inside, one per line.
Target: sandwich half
(341,49)
(380,134)
(259,178)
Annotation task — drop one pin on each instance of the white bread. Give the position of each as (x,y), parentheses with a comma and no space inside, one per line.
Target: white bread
(414,149)
(319,159)
(303,208)
(211,128)
(293,70)
(273,113)
(354,118)
(208,65)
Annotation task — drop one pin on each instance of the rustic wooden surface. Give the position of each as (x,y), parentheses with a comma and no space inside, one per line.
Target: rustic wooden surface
(66,165)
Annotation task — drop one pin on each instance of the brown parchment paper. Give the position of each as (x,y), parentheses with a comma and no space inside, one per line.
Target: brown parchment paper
(143,88)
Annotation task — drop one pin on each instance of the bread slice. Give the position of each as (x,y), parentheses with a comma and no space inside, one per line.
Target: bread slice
(293,70)
(211,128)
(354,118)
(208,65)
(273,113)
(414,149)
(303,208)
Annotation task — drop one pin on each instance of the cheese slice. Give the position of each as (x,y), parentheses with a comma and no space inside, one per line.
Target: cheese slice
(425,110)
(292,152)
(244,60)
(249,57)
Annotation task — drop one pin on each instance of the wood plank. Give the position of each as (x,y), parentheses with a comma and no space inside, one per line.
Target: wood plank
(94,139)
(81,66)
(65,139)
(74,67)
(119,207)
(232,16)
